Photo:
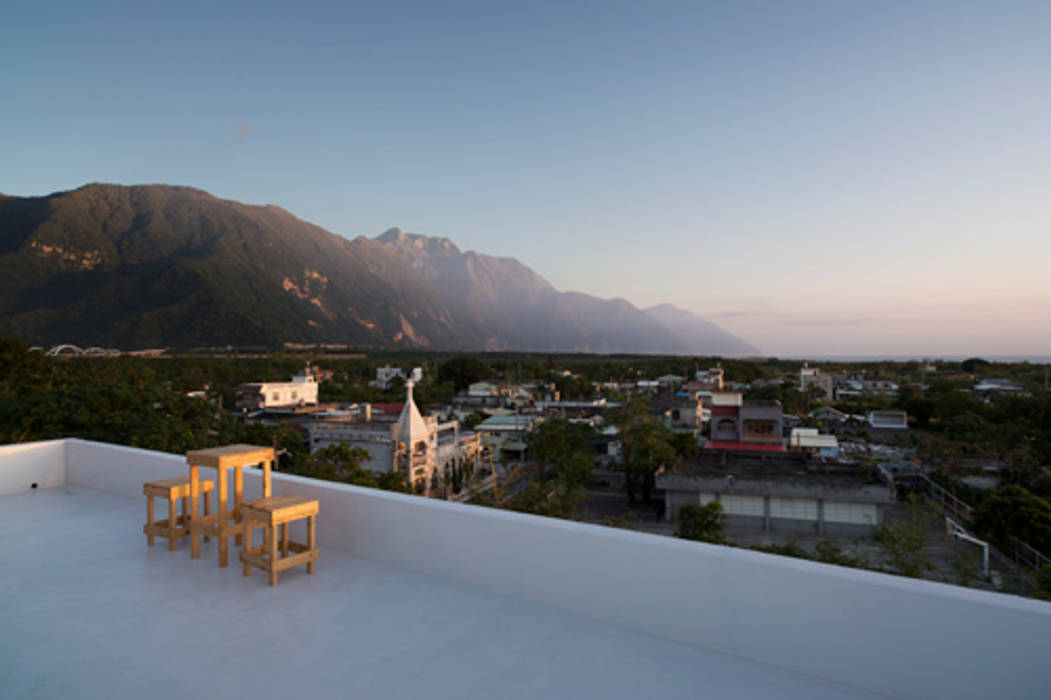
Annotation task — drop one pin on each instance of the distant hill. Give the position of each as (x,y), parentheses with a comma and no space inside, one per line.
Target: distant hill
(703,336)
(156,265)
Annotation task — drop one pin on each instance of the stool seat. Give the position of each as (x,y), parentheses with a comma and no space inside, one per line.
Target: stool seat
(177,487)
(174,489)
(271,514)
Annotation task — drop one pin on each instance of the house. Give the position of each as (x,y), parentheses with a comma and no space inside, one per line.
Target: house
(849,388)
(678,412)
(829,415)
(506,435)
(385,375)
(300,391)
(998,386)
(814,377)
(879,386)
(812,442)
(710,379)
(666,382)
(888,420)
(745,424)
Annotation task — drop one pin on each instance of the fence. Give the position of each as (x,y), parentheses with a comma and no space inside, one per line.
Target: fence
(1021,552)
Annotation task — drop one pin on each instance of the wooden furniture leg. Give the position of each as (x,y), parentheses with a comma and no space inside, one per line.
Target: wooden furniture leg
(221,523)
(311,541)
(149,521)
(271,535)
(207,512)
(195,492)
(238,493)
(246,531)
(171,524)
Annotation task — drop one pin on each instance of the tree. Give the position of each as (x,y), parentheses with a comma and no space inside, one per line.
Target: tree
(461,372)
(339,462)
(647,448)
(702,523)
(1011,511)
(903,545)
(973,363)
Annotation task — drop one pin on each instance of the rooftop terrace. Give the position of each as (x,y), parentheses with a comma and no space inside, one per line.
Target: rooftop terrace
(419,598)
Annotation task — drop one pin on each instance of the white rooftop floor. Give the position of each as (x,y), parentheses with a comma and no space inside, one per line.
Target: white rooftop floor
(88,610)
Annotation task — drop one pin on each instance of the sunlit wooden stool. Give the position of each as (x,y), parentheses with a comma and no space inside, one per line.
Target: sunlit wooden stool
(177,489)
(271,514)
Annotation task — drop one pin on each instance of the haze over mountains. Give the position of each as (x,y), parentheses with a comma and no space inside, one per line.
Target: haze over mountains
(155,265)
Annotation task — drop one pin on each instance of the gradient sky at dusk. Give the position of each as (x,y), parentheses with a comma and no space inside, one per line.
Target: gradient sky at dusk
(820,178)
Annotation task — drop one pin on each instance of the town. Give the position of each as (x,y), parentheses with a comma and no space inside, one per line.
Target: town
(898,467)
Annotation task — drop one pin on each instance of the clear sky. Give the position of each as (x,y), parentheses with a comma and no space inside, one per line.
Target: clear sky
(841,177)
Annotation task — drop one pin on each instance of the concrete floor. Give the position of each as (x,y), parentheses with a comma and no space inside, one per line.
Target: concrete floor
(87,610)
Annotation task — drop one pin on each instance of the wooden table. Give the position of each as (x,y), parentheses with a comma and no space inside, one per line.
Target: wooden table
(224,523)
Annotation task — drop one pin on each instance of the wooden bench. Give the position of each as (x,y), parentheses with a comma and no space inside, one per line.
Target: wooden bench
(271,514)
(176,489)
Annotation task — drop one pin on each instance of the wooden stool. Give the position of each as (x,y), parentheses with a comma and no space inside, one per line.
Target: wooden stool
(173,489)
(269,513)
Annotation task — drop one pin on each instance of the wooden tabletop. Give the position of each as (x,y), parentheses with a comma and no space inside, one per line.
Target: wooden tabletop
(230,456)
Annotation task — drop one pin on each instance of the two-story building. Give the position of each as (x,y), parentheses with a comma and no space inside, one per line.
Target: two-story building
(301,391)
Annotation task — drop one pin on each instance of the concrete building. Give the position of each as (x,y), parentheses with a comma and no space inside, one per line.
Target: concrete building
(786,492)
(505,435)
(301,391)
(680,413)
(875,385)
(740,424)
(814,377)
(710,379)
(812,442)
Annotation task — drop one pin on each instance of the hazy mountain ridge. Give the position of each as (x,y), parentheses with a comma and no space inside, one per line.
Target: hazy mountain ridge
(160,265)
(698,332)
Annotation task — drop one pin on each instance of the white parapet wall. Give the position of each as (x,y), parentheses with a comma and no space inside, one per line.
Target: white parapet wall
(890,635)
(25,466)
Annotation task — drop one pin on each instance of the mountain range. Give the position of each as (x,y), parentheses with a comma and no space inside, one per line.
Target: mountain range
(156,265)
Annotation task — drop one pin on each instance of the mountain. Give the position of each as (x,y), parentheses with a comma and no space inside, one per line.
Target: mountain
(515,308)
(704,337)
(156,265)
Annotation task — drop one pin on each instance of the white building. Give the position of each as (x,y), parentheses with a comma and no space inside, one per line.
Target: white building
(812,376)
(711,378)
(384,375)
(421,443)
(809,440)
(301,391)
(506,433)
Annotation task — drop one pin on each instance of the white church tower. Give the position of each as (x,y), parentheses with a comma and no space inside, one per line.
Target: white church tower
(413,443)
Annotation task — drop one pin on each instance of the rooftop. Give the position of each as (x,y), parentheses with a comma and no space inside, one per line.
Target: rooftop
(415,597)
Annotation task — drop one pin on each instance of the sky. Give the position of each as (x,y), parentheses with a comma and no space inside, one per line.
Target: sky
(820,178)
